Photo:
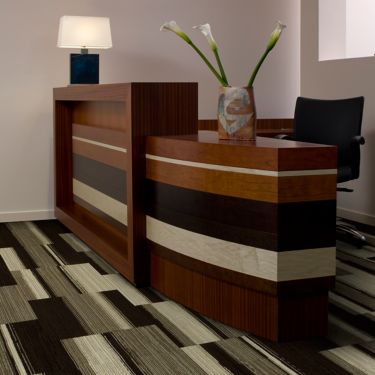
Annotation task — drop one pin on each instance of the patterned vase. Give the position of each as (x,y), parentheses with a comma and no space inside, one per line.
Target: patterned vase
(236,113)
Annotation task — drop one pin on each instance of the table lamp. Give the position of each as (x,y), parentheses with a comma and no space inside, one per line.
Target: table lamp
(84,33)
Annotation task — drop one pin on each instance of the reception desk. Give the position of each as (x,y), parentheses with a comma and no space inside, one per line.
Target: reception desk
(243,232)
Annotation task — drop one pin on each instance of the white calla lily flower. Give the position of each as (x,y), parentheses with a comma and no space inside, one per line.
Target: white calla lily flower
(275,35)
(172,26)
(206,31)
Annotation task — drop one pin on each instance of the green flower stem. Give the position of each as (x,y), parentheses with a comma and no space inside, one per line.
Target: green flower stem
(255,72)
(213,70)
(216,53)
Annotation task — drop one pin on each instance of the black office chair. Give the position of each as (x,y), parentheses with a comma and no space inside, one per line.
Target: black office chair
(334,122)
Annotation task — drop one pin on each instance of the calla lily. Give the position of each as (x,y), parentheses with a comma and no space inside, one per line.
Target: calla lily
(275,36)
(206,31)
(172,26)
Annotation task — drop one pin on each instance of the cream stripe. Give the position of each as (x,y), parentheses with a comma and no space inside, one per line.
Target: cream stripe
(100,357)
(204,360)
(226,168)
(105,145)
(266,264)
(355,360)
(12,350)
(110,206)
(11,259)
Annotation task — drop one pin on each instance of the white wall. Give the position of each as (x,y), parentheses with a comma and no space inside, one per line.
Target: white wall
(31,66)
(332,29)
(340,79)
(360,17)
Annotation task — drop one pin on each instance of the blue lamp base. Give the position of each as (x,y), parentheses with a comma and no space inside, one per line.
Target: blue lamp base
(84,68)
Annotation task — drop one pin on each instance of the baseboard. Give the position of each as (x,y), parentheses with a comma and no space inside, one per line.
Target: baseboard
(6,217)
(359,217)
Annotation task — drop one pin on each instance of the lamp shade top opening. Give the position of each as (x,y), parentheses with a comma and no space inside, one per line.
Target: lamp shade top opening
(84,32)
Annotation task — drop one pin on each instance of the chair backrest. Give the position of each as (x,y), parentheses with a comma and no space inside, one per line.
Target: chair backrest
(332,122)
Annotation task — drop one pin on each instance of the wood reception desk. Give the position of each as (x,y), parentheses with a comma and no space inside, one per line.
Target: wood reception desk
(242,232)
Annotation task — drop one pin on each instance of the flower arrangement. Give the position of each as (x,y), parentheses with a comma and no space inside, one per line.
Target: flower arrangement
(206,31)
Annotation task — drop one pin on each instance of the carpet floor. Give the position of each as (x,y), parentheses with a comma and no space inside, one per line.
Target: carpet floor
(63,310)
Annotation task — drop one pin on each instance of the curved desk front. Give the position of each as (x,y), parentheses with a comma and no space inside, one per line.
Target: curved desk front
(244,232)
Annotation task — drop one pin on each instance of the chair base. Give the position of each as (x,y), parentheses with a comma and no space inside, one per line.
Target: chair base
(350,229)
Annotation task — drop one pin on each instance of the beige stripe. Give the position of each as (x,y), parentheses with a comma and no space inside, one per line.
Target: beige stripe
(38,233)
(352,359)
(11,259)
(12,350)
(187,323)
(105,145)
(86,278)
(94,355)
(266,264)
(204,360)
(127,290)
(29,285)
(104,203)
(226,168)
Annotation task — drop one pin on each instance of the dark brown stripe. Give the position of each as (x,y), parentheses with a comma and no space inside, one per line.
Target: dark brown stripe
(52,310)
(45,353)
(6,277)
(281,288)
(104,155)
(102,215)
(104,178)
(304,356)
(235,367)
(127,357)
(277,227)
(267,153)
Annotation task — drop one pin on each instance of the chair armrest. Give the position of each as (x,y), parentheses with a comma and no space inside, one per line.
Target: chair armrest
(284,136)
(358,140)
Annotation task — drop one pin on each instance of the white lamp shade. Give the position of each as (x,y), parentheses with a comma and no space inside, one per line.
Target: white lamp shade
(84,32)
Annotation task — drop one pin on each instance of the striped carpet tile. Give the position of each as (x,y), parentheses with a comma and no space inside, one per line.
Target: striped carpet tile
(64,310)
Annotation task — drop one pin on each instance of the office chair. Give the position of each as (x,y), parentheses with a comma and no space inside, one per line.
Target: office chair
(334,122)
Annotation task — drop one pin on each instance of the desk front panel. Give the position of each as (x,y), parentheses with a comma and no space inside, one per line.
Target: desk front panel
(246,232)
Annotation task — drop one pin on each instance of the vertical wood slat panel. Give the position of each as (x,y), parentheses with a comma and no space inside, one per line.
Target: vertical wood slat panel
(63,153)
(277,318)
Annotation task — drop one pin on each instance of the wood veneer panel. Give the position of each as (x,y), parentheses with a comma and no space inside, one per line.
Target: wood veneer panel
(108,241)
(107,156)
(263,125)
(107,115)
(107,92)
(107,136)
(307,188)
(264,153)
(259,313)
(63,153)
(191,149)
(246,186)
